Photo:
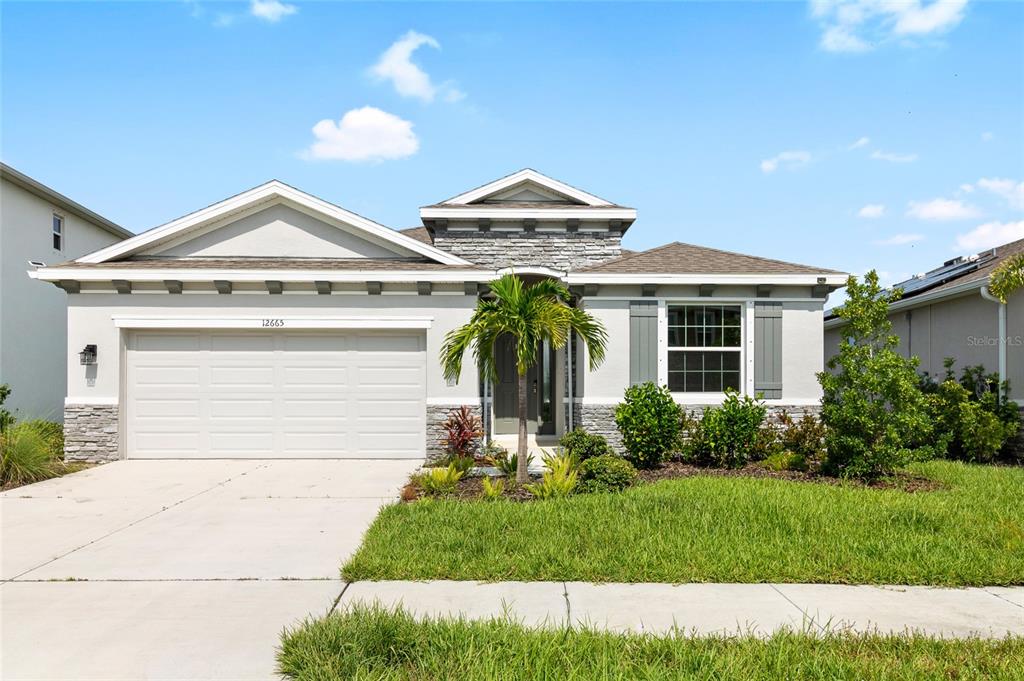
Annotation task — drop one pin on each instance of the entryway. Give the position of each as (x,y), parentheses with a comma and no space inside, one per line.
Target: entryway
(540,384)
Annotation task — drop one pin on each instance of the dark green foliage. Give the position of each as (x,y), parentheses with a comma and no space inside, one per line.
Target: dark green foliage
(460,463)
(805,437)
(6,417)
(964,428)
(874,410)
(582,445)
(606,473)
(650,422)
(730,435)
(508,463)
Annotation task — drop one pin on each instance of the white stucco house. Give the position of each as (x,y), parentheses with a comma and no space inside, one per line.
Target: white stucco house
(275,324)
(38,224)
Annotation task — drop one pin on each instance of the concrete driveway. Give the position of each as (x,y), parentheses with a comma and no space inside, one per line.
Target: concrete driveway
(177,569)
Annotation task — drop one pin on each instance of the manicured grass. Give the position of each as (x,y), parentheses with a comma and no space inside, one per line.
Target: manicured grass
(718,529)
(379,644)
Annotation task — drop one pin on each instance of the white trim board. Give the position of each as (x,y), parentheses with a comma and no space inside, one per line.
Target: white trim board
(271,322)
(750,279)
(265,195)
(194,275)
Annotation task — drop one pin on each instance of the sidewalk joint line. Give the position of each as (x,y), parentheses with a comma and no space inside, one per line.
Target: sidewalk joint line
(334,606)
(568,604)
(1002,598)
(132,524)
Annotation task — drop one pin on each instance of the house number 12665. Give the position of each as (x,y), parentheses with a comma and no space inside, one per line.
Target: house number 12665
(272,323)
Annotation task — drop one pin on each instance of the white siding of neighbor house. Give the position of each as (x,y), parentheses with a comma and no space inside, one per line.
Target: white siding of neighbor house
(90,320)
(278,231)
(33,332)
(802,336)
(965,328)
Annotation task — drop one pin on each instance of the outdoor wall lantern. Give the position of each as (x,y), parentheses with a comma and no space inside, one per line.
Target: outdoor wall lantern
(88,355)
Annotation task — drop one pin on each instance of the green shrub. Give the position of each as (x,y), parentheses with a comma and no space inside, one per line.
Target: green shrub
(493,488)
(805,437)
(438,481)
(606,473)
(872,405)
(786,461)
(460,463)
(731,435)
(558,481)
(650,422)
(963,428)
(27,454)
(583,445)
(6,417)
(507,463)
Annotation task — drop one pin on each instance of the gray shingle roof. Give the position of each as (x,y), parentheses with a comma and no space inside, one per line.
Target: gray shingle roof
(982,273)
(680,258)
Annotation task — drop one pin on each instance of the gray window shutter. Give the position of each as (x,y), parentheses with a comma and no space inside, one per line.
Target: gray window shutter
(643,341)
(768,350)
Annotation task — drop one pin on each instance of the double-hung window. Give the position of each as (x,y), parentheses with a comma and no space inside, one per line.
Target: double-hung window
(58,232)
(704,344)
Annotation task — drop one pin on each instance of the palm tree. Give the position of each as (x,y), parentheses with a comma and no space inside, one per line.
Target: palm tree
(529,314)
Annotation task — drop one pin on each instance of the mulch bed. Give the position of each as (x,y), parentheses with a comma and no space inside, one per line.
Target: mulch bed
(469,489)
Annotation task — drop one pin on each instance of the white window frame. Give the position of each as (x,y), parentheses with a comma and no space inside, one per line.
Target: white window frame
(62,233)
(745,348)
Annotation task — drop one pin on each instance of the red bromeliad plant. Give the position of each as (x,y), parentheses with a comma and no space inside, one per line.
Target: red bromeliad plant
(462,432)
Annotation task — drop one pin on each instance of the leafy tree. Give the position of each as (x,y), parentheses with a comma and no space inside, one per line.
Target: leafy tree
(530,314)
(1007,278)
(872,404)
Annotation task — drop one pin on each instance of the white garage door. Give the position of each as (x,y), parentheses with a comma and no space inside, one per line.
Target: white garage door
(255,394)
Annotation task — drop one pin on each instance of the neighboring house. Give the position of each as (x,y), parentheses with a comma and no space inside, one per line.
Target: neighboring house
(38,224)
(948,312)
(275,324)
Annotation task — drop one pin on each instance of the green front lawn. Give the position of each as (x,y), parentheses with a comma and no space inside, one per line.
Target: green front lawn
(376,644)
(718,529)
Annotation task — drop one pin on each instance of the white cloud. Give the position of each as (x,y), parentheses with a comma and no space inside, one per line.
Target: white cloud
(860,25)
(989,235)
(366,134)
(967,188)
(862,142)
(987,136)
(789,160)
(941,209)
(872,211)
(271,10)
(893,157)
(1010,190)
(900,240)
(409,80)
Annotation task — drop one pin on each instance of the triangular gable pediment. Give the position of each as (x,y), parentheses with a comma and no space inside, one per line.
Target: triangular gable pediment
(527,186)
(273,217)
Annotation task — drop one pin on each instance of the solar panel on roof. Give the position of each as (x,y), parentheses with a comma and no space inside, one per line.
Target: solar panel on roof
(951,269)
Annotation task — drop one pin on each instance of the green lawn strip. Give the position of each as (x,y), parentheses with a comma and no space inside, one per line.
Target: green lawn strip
(718,529)
(371,643)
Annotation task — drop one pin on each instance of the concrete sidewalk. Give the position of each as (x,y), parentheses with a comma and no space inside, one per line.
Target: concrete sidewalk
(758,609)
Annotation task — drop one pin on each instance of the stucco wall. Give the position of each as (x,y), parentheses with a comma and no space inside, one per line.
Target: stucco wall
(965,328)
(278,231)
(33,340)
(89,319)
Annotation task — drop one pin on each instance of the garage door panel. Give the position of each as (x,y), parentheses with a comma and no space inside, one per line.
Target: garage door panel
(229,394)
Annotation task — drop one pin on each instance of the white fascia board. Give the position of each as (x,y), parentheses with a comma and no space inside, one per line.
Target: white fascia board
(923,299)
(527,175)
(266,193)
(533,270)
(109,274)
(271,321)
(640,278)
(499,213)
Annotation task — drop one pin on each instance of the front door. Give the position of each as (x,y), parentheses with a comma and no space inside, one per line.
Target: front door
(539,386)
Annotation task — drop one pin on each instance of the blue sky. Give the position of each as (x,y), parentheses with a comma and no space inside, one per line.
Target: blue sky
(850,135)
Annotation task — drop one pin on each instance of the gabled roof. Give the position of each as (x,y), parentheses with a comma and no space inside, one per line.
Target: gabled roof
(268,194)
(527,176)
(680,258)
(527,194)
(56,198)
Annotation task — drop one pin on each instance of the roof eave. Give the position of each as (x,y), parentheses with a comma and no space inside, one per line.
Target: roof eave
(782,279)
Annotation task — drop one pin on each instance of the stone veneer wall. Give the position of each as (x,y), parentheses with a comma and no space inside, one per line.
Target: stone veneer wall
(599,419)
(437,414)
(559,250)
(91,432)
